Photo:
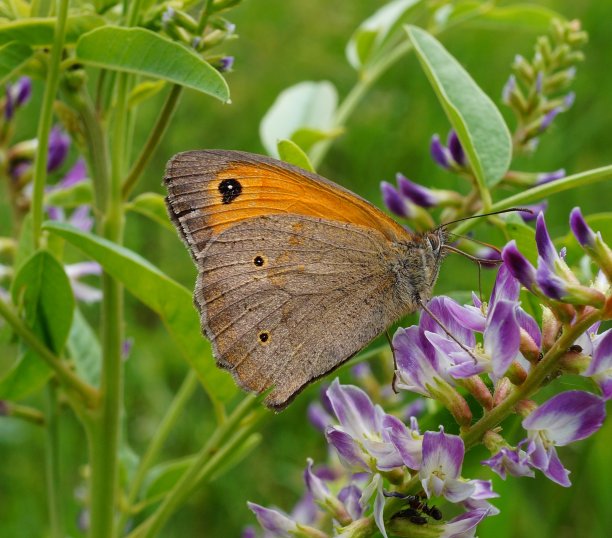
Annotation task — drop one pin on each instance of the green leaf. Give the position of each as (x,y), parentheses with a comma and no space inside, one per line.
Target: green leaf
(309,105)
(12,57)
(84,349)
(518,16)
(42,288)
(151,205)
(80,193)
(171,301)
(477,121)
(25,244)
(291,153)
(38,32)
(374,31)
(140,51)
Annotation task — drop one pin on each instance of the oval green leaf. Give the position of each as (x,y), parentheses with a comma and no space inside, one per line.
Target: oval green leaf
(171,301)
(310,105)
(140,51)
(291,153)
(477,121)
(12,57)
(43,290)
(529,17)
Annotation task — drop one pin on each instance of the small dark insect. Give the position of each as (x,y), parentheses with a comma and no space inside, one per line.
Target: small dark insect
(418,507)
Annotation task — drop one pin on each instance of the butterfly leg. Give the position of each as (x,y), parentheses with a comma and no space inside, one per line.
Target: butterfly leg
(394,382)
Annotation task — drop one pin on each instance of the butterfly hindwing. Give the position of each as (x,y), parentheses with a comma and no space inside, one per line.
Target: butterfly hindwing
(286,299)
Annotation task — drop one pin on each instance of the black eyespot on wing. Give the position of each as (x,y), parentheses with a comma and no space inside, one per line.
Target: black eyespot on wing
(258,261)
(230,189)
(264,337)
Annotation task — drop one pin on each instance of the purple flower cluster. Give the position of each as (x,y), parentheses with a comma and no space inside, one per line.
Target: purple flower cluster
(446,357)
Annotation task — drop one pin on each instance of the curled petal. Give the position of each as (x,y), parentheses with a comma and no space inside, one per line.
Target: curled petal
(349,496)
(408,445)
(600,367)
(580,229)
(316,486)
(464,525)
(568,417)
(419,194)
(455,148)
(393,200)
(273,521)
(546,249)
(502,336)
(550,283)
(518,265)
(353,408)
(346,447)
(470,317)
(506,286)
(438,152)
(547,177)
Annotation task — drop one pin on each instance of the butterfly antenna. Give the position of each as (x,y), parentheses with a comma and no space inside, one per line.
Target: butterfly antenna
(510,210)
(448,333)
(478,241)
(394,382)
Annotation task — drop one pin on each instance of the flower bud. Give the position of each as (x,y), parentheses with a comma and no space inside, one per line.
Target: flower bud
(438,152)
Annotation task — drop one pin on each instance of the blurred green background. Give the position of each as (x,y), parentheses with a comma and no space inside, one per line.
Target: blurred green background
(282,43)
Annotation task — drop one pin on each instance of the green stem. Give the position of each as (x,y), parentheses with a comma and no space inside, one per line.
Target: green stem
(44,123)
(87,394)
(52,464)
(23,412)
(163,431)
(533,382)
(537,193)
(104,432)
(205,13)
(220,445)
(154,139)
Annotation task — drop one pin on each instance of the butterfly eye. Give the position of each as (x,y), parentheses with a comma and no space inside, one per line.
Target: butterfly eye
(434,242)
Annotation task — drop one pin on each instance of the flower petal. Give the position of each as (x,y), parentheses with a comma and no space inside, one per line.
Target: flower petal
(354,409)
(568,417)
(546,249)
(273,521)
(502,336)
(442,454)
(506,286)
(518,265)
(470,317)
(347,448)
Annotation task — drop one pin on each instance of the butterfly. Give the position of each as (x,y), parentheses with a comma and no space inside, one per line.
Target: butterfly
(295,273)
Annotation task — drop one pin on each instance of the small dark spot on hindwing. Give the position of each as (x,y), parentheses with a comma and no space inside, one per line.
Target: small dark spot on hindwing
(230,189)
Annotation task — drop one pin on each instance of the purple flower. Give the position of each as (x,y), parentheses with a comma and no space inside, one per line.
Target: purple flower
(225,64)
(600,368)
(318,417)
(536,209)
(441,467)
(547,177)
(439,153)
(581,230)
(518,265)
(510,461)
(418,194)
(394,200)
(501,336)
(75,175)
(17,95)
(409,443)
(565,418)
(59,144)
(273,521)
(455,148)
(362,438)
(479,499)
(549,117)
(464,525)
(509,87)
(248,532)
